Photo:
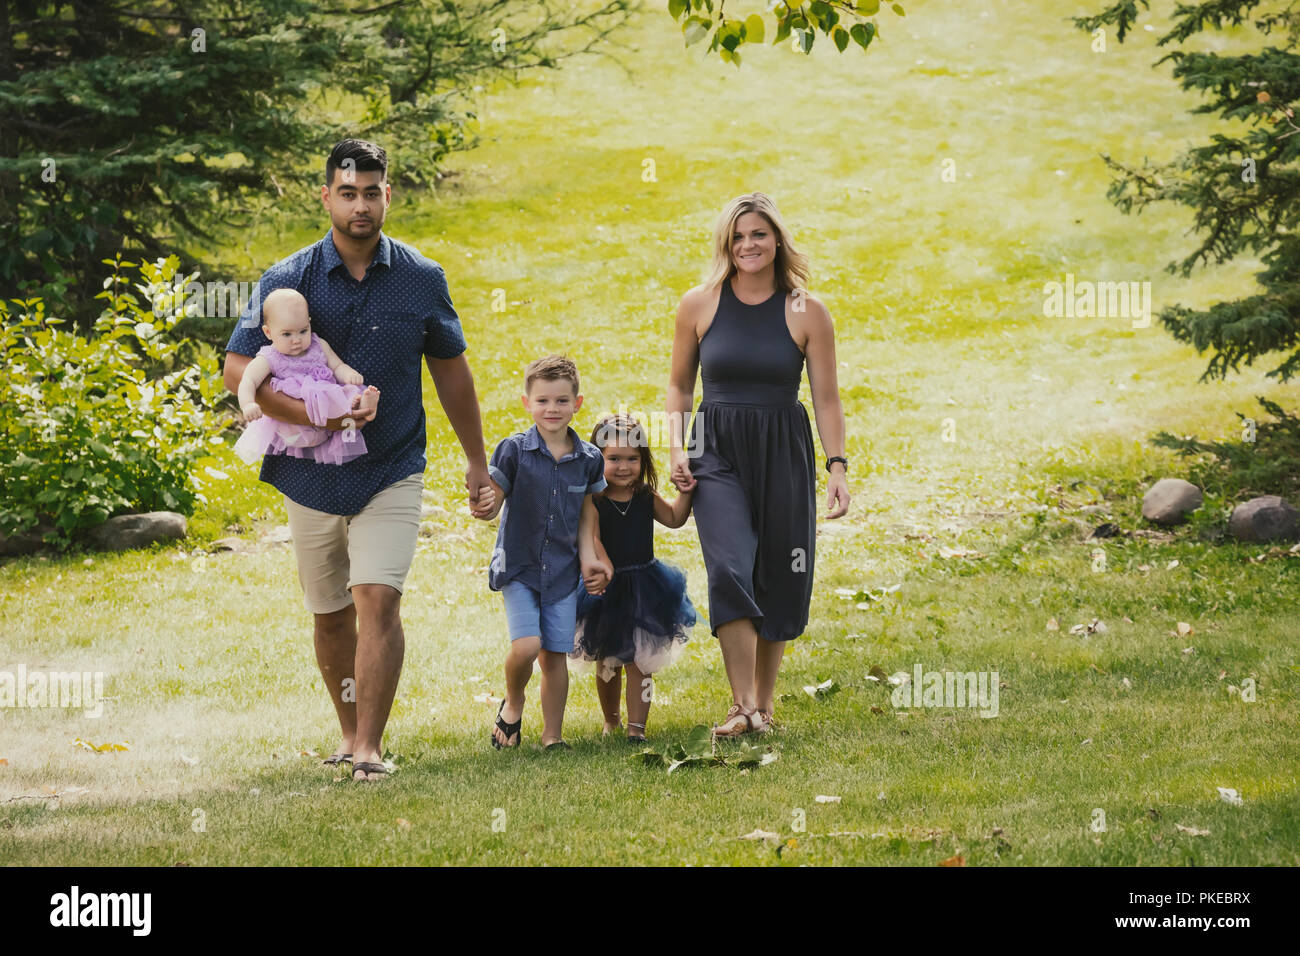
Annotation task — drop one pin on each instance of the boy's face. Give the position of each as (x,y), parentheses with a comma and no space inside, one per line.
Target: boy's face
(552,405)
(357,202)
(288,327)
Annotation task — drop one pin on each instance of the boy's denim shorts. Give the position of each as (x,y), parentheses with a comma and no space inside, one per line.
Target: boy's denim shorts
(527,616)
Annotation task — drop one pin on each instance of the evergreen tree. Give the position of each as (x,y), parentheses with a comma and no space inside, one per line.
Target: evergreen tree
(162,125)
(1243,185)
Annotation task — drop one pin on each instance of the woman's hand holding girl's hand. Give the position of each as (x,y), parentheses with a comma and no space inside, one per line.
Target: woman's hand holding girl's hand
(837,490)
(252,412)
(681,470)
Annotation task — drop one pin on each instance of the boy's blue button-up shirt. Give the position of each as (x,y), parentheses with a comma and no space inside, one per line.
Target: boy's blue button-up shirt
(383,326)
(537,541)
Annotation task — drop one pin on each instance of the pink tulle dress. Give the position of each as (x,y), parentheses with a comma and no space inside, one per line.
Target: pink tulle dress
(307,377)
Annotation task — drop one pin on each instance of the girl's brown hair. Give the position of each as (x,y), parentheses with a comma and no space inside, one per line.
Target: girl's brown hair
(626,430)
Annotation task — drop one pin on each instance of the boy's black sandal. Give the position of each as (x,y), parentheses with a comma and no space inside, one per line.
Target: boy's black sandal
(509,730)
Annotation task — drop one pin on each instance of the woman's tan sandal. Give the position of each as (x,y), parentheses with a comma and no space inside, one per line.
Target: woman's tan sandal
(738,722)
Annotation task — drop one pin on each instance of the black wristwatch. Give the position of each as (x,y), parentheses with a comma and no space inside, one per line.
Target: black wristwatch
(841,459)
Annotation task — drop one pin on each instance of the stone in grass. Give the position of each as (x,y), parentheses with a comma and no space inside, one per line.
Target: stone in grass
(1170,500)
(1267,518)
(25,542)
(137,531)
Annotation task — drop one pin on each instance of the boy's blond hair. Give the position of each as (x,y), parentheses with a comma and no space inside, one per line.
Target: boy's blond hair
(552,368)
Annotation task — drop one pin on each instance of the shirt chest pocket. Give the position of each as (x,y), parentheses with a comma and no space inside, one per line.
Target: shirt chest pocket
(391,335)
(577,488)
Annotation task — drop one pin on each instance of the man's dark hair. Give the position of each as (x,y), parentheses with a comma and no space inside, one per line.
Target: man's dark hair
(366,158)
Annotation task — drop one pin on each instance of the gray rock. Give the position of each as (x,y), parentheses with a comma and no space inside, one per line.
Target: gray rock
(1170,500)
(1267,518)
(25,542)
(137,531)
(230,544)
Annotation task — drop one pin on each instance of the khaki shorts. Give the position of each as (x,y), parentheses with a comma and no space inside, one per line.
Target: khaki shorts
(374,546)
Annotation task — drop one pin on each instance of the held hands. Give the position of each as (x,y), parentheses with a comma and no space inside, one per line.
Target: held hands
(681,470)
(596,575)
(252,412)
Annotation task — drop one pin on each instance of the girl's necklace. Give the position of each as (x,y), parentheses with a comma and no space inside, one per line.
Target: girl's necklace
(624,510)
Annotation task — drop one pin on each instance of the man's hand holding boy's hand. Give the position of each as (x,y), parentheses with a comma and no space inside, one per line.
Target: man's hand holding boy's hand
(487,503)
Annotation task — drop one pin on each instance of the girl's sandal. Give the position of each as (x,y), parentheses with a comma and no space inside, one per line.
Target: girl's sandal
(636,738)
(738,722)
(769,724)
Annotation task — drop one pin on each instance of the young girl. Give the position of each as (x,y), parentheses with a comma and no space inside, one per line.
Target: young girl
(640,620)
(301,365)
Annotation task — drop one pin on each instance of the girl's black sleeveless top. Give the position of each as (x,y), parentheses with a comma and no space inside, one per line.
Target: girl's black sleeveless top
(628,538)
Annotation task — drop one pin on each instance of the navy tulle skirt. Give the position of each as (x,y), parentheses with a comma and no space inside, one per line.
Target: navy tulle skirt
(642,619)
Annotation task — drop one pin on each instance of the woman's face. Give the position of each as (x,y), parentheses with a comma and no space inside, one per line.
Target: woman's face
(753,244)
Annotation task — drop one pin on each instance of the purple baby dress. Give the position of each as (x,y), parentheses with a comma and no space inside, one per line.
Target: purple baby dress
(306,377)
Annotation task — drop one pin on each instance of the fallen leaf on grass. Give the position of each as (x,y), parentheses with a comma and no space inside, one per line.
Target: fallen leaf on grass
(3,762)
(1189,650)
(1184,629)
(1171,565)
(1053,624)
(101,748)
(1192,831)
(760,835)
(404,823)
(486,699)
(823,798)
(957,860)
(1229,795)
(308,753)
(823,690)
(876,709)
(1095,626)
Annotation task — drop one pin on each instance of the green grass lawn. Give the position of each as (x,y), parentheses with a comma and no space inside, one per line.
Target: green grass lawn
(937,290)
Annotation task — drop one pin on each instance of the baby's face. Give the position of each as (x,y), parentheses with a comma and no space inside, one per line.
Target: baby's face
(288,327)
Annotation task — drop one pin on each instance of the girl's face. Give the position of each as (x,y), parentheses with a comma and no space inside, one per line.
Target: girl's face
(622,466)
(289,331)
(753,244)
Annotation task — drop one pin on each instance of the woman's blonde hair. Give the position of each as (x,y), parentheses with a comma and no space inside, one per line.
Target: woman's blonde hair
(791,265)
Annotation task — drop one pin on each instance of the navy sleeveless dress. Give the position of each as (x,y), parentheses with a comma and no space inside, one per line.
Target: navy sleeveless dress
(644,615)
(754,505)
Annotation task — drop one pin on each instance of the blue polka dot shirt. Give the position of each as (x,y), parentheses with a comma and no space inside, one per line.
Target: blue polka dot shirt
(383,326)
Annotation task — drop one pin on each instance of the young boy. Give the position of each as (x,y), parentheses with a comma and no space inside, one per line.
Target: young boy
(545,549)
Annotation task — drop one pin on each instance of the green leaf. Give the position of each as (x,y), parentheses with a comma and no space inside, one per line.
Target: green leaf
(869,8)
(695,29)
(699,741)
(862,33)
(841,38)
(754,29)
(899,10)
(676,8)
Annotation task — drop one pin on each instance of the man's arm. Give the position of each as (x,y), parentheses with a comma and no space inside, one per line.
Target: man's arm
(279,406)
(454,383)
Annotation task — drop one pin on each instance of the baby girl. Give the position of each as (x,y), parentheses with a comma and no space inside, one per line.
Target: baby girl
(301,365)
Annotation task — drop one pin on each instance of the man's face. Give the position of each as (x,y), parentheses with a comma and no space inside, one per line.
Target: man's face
(357,202)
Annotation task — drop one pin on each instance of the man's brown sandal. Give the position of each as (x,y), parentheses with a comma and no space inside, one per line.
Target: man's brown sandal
(739,722)
(368,767)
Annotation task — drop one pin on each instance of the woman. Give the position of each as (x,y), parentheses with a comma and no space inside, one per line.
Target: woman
(749,329)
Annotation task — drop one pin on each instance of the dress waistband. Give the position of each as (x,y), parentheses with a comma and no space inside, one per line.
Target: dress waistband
(751,393)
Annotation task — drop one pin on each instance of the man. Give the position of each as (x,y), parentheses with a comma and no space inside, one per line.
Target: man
(382,306)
